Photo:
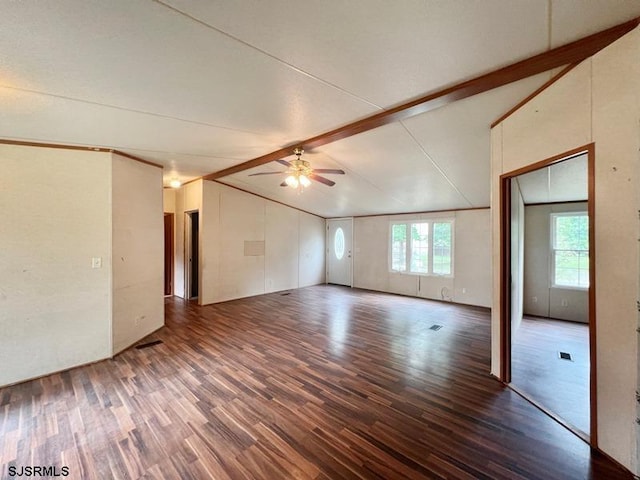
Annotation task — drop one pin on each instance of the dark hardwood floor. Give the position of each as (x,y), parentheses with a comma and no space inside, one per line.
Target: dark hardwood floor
(325,383)
(561,386)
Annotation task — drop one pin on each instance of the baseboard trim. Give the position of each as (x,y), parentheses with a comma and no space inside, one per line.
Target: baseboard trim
(55,372)
(449,302)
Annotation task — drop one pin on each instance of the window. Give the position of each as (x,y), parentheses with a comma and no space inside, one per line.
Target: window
(442,248)
(399,248)
(338,243)
(422,247)
(570,249)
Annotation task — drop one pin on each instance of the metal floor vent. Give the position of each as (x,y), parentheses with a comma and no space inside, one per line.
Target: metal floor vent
(286,293)
(150,344)
(435,327)
(564,356)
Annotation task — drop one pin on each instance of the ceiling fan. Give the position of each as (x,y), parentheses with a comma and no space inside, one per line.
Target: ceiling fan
(300,173)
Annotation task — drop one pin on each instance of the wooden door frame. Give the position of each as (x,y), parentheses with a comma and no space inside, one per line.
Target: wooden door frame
(169,243)
(188,252)
(505,273)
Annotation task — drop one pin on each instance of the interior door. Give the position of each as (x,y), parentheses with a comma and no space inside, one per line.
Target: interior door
(339,246)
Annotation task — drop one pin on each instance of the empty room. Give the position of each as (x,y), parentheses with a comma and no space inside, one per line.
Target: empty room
(311,240)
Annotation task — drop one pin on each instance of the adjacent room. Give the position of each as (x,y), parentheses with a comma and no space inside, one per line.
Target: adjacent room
(550,297)
(318,241)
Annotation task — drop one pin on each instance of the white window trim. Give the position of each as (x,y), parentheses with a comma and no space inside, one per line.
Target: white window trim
(408,251)
(552,250)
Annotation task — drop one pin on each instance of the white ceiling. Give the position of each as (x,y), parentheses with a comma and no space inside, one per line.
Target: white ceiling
(201,85)
(561,182)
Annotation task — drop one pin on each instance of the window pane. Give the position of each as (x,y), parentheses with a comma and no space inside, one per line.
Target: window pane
(419,247)
(442,248)
(571,250)
(583,269)
(338,243)
(567,271)
(399,248)
(571,232)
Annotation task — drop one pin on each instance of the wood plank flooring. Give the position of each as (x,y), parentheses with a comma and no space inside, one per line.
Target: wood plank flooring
(561,386)
(324,383)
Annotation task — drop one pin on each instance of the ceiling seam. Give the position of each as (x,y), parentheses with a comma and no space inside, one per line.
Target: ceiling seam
(120,148)
(270,55)
(200,155)
(142,112)
(114,148)
(572,52)
(437,167)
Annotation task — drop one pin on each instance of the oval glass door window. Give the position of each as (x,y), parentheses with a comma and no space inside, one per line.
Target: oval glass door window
(338,243)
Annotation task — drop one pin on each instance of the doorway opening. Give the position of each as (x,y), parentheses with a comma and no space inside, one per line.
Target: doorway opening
(547,288)
(191,253)
(168,254)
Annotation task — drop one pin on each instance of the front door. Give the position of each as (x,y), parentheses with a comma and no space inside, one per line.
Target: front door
(339,241)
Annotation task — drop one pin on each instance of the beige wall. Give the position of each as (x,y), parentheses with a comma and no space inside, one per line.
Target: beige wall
(168,200)
(61,209)
(595,102)
(517,256)
(187,199)
(540,298)
(471,283)
(292,243)
(138,251)
(55,309)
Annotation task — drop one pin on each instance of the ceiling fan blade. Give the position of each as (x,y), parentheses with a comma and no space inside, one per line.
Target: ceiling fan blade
(284,184)
(328,170)
(284,162)
(265,173)
(320,179)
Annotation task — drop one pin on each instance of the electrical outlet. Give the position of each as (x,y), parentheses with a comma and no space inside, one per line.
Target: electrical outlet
(534,299)
(96,262)
(464,290)
(564,302)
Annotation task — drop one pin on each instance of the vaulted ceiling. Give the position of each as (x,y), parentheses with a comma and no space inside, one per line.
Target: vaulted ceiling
(199,86)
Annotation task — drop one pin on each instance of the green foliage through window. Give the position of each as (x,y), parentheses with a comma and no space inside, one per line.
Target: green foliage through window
(427,250)
(442,248)
(570,250)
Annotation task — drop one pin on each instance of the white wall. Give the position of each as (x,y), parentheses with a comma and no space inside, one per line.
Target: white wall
(471,283)
(55,310)
(138,251)
(517,256)
(282,255)
(595,102)
(242,219)
(293,243)
(188,198)
(540,298)
(311,250)
(168,200)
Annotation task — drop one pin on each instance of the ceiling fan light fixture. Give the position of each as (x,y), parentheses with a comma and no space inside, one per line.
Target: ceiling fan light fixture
(304,181)
(292,181)
(300,175)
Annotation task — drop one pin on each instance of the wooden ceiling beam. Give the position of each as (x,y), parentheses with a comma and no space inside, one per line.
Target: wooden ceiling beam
(570,53)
